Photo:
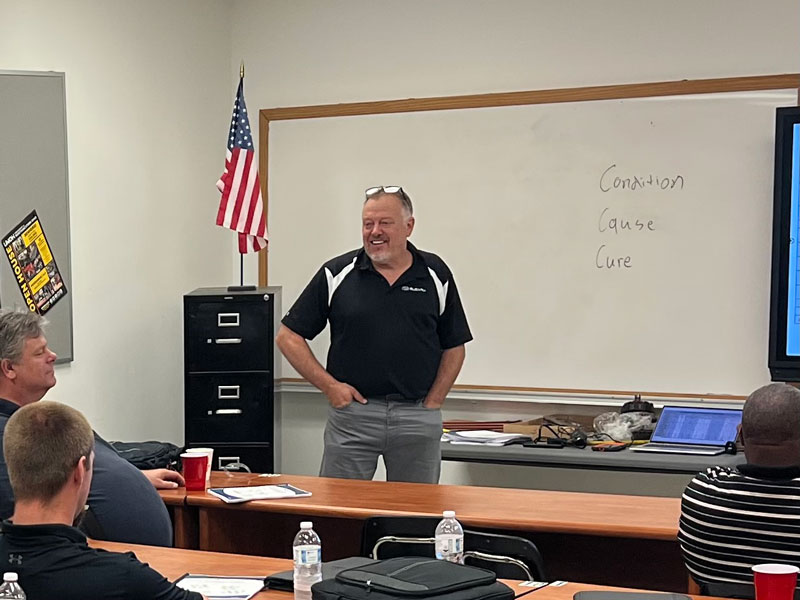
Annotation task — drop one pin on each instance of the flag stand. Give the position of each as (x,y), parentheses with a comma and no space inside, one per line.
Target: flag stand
(241,287)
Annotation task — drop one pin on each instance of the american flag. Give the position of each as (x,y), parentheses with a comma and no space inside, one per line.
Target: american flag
(241,207)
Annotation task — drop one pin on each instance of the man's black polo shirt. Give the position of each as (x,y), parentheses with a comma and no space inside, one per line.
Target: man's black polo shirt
(54,561)
(384,339)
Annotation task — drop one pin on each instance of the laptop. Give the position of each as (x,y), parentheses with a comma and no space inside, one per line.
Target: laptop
(699,431)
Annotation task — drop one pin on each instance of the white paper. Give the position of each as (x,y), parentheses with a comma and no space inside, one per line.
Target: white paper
(222,588)
(482,437)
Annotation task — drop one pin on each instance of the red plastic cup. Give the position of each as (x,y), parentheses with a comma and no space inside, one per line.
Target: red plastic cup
(775,581)
(194,470)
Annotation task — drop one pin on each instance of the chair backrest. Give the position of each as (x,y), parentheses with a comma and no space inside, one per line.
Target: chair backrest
(390,537)
(510,557)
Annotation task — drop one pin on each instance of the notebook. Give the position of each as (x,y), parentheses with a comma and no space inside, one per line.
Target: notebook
(232,495)
(701,431)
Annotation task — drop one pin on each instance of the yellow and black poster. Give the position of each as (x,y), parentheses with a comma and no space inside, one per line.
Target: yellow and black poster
(33,265)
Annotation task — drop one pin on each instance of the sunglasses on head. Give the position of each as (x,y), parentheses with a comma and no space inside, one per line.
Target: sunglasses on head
(384,189)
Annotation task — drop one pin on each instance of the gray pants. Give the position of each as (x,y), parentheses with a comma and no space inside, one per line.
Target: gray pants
(406,433)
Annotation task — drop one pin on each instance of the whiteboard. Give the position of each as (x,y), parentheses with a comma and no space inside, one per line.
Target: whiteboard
(521,203)
(33,176)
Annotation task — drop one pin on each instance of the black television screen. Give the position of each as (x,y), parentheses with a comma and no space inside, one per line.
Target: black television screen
(784,335)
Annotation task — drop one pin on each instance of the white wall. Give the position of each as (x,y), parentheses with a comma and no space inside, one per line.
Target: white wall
(315,51)
(148,105)
(319,52)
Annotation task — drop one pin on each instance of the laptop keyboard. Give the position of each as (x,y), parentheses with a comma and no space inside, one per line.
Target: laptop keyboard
(679,449)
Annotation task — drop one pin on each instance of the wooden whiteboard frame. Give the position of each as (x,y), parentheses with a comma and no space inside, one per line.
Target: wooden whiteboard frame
(552,96)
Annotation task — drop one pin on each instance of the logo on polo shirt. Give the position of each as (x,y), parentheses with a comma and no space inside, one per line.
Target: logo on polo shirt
(408,288)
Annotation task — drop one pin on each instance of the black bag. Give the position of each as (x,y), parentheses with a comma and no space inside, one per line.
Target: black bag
(148,455)
(284,581)
(412,578)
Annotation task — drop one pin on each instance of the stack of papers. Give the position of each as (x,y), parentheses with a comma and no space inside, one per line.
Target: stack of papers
(483,437)
(232,495)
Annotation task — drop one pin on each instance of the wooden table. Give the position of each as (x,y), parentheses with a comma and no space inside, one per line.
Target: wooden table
(599,538)
(174,562)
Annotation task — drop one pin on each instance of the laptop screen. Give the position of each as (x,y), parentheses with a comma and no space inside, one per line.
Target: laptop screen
(709,426)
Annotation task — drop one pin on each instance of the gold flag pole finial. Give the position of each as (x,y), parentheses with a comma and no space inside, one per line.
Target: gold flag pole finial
(241,71)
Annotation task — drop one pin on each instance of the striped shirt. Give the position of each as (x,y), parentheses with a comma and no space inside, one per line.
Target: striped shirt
(734,518)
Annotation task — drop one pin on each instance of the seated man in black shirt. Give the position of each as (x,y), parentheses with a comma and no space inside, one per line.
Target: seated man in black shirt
(49,450)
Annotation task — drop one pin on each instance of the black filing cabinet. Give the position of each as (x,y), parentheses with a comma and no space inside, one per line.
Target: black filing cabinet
(230,368)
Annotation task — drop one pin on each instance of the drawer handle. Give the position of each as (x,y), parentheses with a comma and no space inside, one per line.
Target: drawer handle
(226,460)
(227,392)
(228,411)
(233,464)
(227,319)
(228,341)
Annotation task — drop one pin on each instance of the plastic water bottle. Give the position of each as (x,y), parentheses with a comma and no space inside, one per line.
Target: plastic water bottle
(11,590)
(449,538)
(307,553)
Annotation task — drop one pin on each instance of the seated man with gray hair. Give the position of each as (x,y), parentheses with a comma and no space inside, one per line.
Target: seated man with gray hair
(735,517)
(49,450)
(123,501)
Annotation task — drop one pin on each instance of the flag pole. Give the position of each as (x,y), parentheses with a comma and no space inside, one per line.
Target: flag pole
(241,287)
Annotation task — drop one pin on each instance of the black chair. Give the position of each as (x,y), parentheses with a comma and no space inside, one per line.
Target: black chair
(510,557)
(728,590)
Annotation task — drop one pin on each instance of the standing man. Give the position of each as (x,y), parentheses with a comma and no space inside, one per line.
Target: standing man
(397,345)
(123,503)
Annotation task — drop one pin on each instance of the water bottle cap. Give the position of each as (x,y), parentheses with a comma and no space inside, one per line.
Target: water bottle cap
(449,514)
(10,576)
(306,525)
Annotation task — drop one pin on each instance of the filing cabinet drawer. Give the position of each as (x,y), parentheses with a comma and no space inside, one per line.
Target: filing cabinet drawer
(228,335)
(257,457)
(224,391)
(241,428)
(229,407)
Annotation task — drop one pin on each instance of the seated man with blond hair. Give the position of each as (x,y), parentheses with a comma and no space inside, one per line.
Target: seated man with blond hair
(49,450)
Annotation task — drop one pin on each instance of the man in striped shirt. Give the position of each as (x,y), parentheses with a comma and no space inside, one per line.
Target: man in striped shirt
(734,518)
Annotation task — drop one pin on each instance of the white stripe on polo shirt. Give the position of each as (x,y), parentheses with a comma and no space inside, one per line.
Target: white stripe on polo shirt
(441,290)
(334,281)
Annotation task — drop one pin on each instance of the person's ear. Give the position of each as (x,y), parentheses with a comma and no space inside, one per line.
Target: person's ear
(7,368)
(409,226)
(80,471)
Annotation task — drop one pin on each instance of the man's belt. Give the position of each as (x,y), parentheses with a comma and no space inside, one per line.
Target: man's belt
(394,398)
